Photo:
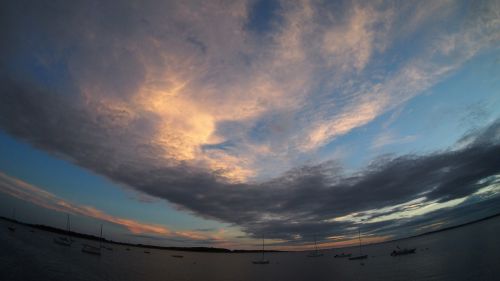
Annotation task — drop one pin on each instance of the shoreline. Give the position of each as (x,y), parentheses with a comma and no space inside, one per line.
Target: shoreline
(213,249)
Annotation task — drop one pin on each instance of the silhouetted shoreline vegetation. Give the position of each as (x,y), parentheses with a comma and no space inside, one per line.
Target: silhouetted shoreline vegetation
(208,249)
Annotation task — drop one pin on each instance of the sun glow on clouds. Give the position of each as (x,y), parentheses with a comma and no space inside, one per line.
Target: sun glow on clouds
(188,93)
(190,88)
(35,195)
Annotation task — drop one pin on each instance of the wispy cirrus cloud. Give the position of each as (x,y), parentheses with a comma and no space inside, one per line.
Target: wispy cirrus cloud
(38,196)
(388,138)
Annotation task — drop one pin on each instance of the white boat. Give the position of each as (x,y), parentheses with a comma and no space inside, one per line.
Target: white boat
(64,240)
(93,250)
(360,256)
(316,253)
(262,260)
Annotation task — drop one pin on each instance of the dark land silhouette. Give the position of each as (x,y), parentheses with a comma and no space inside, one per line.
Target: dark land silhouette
(208,249)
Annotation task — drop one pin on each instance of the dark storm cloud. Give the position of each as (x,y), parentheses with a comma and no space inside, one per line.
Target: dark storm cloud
(301,202)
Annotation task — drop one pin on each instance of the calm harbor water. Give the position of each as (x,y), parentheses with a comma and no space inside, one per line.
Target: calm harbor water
(467,253)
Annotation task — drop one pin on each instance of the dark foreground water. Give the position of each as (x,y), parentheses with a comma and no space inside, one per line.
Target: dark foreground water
(468,253)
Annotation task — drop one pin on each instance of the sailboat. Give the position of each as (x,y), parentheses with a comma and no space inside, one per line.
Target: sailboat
(262,260)
(359,257)
(64,240)
(93,250)
(316,253)
(12,227)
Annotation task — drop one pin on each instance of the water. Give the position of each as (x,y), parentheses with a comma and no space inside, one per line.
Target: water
(468,253)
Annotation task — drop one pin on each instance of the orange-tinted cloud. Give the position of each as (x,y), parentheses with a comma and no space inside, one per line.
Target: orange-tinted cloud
(35,195)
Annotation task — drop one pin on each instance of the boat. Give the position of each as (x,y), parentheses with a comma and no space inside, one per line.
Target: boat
(262,260)
(402,252)
(316,253)
(177,256)
(90,249)
(343,255)
(93,250)
(127,249)
(360,256)
(107,248)
(147,252)
(63,240)
(11,227)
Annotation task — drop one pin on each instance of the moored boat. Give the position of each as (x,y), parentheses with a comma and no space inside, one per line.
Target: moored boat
(316,253)
(401,252)
(343,255)
(360,256)
(93,250)
(262,260)
(12,228)
(64,240)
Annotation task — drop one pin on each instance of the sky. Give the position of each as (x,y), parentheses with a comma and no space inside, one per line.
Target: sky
(214,123)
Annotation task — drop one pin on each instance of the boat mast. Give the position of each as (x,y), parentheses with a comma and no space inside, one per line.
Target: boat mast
(359,238)
(100,238)
(67,223)
(263,247)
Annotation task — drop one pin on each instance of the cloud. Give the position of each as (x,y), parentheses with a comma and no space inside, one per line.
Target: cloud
(183,102)
(35,195)
(389,138)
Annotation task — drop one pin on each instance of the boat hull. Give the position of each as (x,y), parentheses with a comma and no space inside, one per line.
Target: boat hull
(62,242)
(343,256)
(359,257)
(314,255)
(403,252)
(91,250)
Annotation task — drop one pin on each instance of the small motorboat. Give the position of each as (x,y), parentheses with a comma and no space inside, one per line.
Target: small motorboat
(343,255)
(11,228)
(127,249)
(401,252)
(147,252)
(177,256)
(362,257)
